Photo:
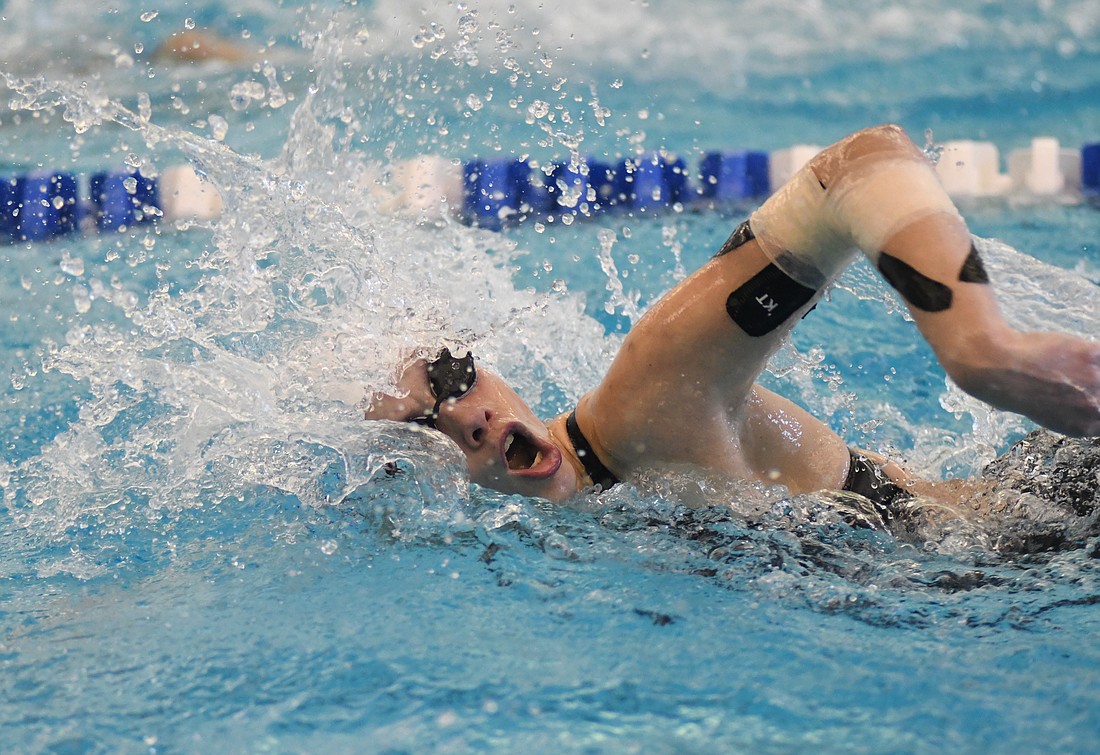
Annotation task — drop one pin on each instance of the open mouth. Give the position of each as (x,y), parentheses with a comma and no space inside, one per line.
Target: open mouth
(520,452)
(527,456)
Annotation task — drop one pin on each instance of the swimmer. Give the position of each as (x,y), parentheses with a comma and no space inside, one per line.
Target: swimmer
(201,46)
(683,390)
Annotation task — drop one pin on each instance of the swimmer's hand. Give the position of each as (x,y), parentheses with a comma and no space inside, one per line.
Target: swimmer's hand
(1051,378)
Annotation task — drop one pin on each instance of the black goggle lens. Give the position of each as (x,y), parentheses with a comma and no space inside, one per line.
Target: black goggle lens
(450,378)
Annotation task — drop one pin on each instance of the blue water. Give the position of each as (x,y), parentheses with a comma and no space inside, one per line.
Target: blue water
(188,569)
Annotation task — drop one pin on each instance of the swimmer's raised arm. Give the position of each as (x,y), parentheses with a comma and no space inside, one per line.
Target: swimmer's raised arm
(683,385)
(886,194)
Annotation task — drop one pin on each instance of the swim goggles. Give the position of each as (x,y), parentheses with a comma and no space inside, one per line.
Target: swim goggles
(450,379)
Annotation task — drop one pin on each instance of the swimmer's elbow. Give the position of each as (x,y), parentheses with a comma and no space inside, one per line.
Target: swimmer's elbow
(882,136)
(887,141)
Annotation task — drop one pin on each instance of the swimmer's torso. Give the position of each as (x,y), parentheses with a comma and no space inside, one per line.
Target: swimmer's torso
(769,440)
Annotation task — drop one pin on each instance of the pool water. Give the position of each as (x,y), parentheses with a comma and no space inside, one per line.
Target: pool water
(203,550)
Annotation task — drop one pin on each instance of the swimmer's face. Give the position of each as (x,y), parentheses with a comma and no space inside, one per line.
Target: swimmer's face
(507,447)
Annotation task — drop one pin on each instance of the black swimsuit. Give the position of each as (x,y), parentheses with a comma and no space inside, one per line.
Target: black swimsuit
(868,480)
(864,477)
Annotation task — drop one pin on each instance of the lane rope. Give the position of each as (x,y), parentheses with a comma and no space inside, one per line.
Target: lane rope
(498,192)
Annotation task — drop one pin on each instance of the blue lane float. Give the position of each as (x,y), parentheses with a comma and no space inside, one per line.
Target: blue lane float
(494,190)
(37,206)
(1090,172)
(121,199)
(652,182)
(45,205)
(570,191)
(505,190)
(734,175)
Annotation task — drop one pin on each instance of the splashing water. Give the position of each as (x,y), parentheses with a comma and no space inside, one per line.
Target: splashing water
(309,301)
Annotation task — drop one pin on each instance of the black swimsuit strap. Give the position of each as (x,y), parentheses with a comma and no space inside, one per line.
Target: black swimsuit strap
(600,474)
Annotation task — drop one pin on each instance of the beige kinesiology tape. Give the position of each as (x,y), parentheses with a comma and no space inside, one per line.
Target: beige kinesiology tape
(880,197)
(795,230)
(812,233)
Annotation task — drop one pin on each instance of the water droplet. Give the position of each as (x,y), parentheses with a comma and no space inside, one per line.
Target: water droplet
(242,94)
(538,109)
(474,102)
(276,98)
(73,266)
(329,547)
(189,23)
(139,48)
(82,301)
(219,127)
(148,16)
(128,300)
(145,106)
